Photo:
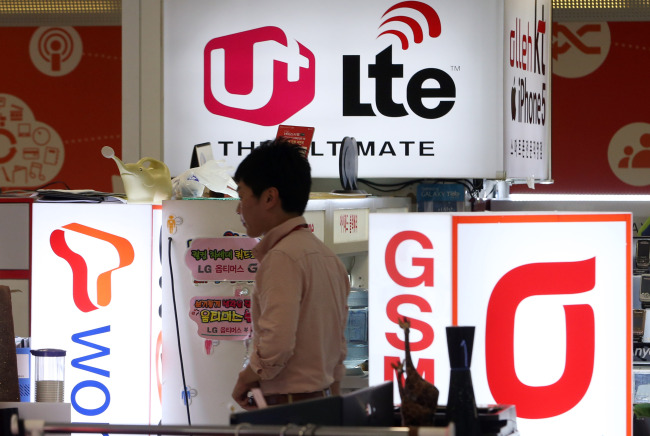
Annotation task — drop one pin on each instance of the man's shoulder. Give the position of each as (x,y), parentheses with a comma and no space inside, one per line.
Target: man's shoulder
(300,244)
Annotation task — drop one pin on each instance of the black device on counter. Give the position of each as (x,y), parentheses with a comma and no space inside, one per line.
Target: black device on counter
(642,258)
(371,406)
(201,153)
(644,293)
(638,324)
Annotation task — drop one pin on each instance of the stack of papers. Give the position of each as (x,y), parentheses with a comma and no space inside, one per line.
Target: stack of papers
(77,196)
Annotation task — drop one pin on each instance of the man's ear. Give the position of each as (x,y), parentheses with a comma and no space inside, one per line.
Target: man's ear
(271,197)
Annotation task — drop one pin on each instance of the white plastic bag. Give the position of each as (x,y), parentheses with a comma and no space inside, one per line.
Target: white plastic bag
(211,175)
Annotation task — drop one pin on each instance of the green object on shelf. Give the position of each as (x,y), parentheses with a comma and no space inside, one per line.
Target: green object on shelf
(642,410)
(642,230)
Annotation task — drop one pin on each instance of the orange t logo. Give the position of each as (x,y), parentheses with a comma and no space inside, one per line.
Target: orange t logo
(80,269)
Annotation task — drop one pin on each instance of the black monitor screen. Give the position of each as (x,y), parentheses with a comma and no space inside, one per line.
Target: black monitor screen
(371,406)
(320,411)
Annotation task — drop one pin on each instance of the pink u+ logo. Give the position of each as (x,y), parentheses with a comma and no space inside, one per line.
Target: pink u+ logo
(258,76)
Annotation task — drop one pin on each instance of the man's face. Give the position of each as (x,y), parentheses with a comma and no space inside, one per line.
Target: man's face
(251,211)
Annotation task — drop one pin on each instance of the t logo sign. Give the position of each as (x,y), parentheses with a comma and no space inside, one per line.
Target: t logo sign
(256,76)
(79,265)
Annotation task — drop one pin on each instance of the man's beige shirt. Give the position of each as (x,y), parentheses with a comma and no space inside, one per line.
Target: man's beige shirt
(299,310)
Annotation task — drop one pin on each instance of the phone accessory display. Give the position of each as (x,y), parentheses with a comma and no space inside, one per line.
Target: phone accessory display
(638,324)
(642,255)
(644,294)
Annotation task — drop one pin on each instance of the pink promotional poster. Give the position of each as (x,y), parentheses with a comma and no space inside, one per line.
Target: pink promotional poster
(217,259)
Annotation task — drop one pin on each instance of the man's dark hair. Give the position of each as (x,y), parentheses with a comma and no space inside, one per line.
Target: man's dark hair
(282,165)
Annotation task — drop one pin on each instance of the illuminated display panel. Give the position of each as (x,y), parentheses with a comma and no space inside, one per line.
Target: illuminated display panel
(548,294)
(419,86)
(92,296)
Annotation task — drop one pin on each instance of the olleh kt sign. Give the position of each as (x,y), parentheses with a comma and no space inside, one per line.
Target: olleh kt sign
(548,294)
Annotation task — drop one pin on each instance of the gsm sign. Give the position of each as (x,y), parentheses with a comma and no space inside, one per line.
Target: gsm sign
(426,278)
(552,278)
(424,366)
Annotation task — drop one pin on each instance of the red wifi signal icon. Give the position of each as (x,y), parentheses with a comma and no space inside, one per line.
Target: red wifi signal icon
(429,14)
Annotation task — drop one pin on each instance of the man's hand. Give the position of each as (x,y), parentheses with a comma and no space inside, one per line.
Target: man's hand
(245,382)
(335,389)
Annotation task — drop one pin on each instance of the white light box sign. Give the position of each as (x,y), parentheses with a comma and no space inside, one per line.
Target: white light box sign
(92,297)
(419,85)
(548,294)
